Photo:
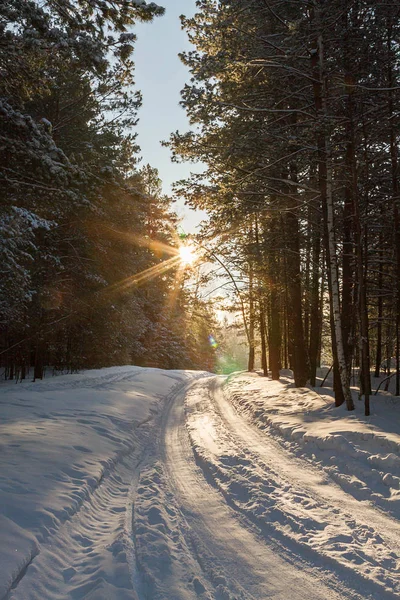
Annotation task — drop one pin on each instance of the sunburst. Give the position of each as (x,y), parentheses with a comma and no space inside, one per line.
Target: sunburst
(187,255)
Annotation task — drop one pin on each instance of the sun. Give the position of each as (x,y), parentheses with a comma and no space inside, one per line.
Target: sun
(187,255)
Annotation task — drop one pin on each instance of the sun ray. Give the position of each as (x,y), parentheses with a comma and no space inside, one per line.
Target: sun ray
(173,295)
(145,275)
(182,256)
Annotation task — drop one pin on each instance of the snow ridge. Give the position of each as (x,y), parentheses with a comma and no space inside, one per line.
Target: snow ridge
(360,454)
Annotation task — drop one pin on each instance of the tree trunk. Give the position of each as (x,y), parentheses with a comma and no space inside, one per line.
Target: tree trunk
(250,364)
(274,335)
(272,239)
(315,302)
(334,280)
(292,253)
(348,312)
(395,195)
(264,364)
(285,339)
(307,277)
(378,354)
(38,369)
(325,182)
(361,260)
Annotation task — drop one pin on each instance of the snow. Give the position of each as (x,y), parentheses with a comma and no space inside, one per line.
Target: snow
(360,453)
(358,460)
(133,483)
(68,443)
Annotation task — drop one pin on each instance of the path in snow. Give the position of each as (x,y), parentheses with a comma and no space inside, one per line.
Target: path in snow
(244,518)
(245,562)
(143,484)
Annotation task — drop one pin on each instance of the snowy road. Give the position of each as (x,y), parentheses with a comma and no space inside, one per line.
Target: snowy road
(244,562)
(250,520)
(140,484)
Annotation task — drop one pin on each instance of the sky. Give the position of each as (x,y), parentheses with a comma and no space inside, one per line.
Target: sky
(160,76)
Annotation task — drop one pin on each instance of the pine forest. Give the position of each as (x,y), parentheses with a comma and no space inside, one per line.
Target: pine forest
(294,113)
(85,230)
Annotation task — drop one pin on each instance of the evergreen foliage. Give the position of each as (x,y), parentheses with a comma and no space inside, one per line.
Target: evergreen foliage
(294,112)
(78,219)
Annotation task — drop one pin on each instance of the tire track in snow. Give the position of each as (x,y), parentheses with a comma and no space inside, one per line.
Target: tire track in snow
(250,566)
(165,566)
(242,463)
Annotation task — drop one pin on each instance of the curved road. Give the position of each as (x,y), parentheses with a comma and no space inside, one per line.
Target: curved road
(224,478)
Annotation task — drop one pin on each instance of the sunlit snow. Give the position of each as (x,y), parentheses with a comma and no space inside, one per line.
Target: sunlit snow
(130,483)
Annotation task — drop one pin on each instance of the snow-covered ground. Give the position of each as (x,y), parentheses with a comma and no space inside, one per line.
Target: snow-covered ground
(70,450)
(144,484)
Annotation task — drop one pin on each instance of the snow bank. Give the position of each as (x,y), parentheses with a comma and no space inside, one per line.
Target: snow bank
(360,453)
(69,446)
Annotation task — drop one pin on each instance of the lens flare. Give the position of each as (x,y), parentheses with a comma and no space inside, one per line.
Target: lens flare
(213,342)
(187,255)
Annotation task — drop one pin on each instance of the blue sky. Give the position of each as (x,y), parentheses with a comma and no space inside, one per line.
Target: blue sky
(160,76)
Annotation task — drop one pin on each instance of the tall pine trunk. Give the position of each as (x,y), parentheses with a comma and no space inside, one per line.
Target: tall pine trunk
(326,189)
(263,332)
(395,194)
(333,276)
(274,309)
(294,288)
(315,300)
(250,364)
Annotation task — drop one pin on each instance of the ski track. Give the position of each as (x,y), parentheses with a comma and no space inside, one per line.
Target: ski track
(72,558)
(86,550)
